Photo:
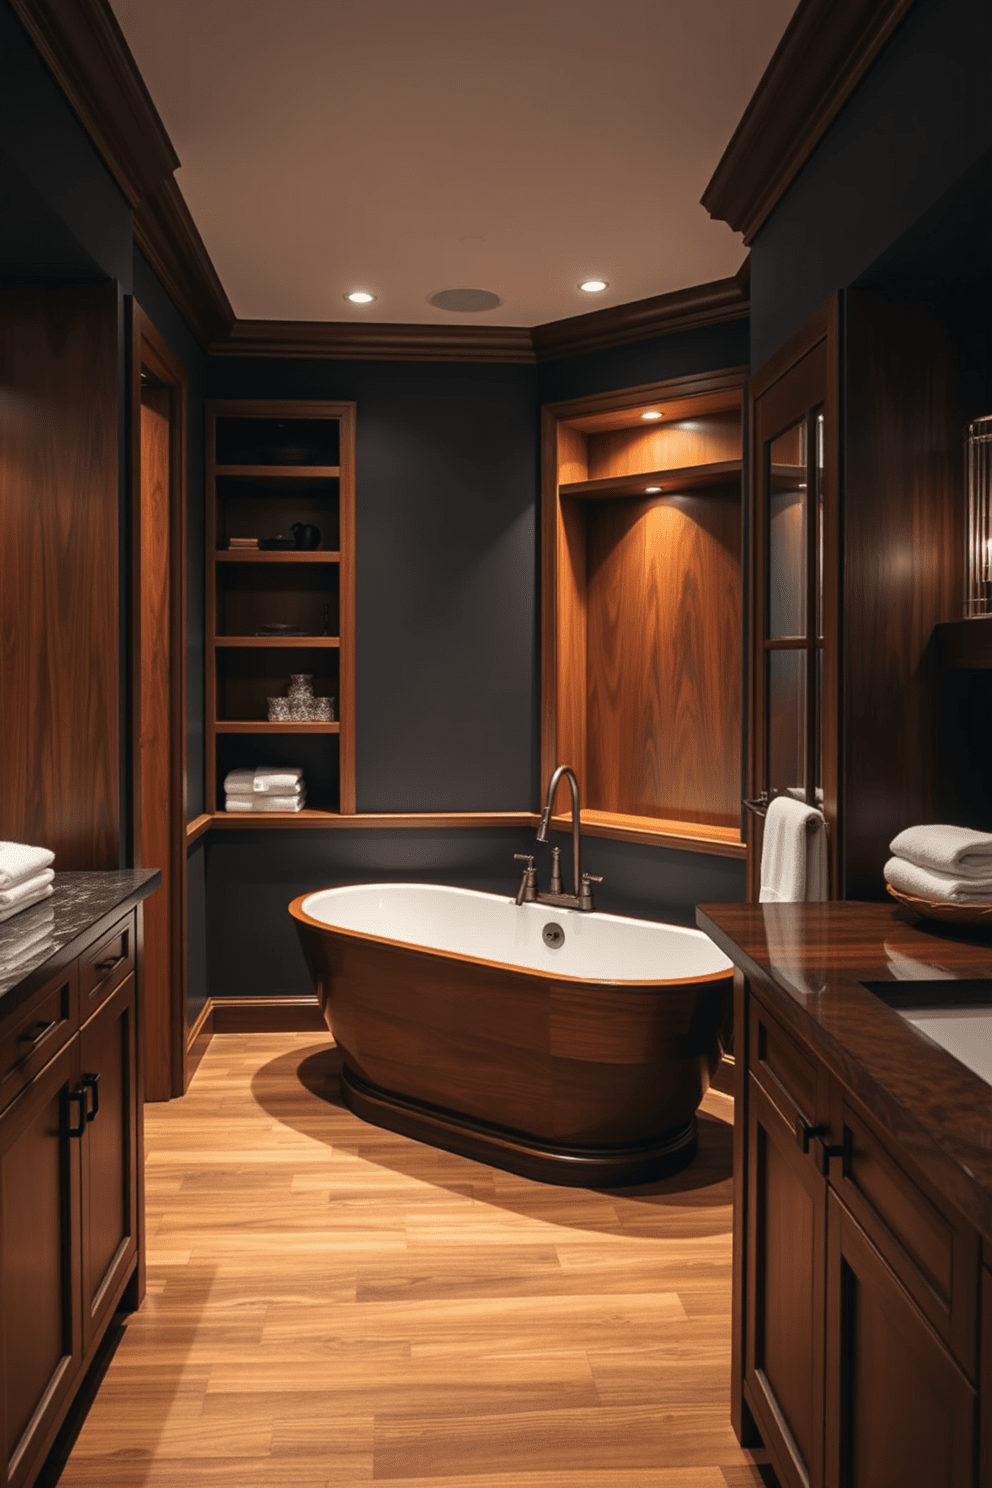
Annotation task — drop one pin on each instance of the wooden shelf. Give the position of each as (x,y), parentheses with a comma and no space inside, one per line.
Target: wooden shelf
(263,726)
(689,478)
(314,819)
(253,555)
(285,643)
(966,644)
(280,472)
(683,836)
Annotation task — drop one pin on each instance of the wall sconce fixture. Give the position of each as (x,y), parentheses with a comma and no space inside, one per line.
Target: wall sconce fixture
(978,538)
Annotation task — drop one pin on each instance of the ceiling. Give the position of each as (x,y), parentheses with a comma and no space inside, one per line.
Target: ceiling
(411,146)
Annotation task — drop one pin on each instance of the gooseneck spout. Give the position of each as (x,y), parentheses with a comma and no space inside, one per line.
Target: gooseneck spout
(542,832)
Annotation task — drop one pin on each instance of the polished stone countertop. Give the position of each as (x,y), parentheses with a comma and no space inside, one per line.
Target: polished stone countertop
(809,962)
(41,938)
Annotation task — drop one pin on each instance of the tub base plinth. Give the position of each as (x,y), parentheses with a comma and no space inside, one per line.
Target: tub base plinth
(571,1167)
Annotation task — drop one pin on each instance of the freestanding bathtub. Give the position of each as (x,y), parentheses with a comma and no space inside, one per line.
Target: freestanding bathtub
(581,1063)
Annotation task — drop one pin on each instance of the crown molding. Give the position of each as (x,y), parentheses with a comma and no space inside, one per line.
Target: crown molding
(84,49)
(166,234)
(643,320)
(376,341)
(827,48)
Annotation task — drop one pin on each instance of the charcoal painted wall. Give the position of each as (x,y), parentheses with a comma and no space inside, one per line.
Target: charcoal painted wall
(920,118)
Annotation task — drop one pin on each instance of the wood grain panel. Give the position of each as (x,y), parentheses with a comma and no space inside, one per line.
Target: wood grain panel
(571,625)
(59,573)
(573,455)
(664,446)
(902,573)
(664,677)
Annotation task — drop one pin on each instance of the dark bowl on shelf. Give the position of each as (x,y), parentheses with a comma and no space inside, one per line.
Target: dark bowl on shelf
(282,544)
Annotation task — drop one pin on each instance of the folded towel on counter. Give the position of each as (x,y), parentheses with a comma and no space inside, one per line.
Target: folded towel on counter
(33,898)
(793,853)
(279,780)
(15,897)
(926,883)
(267,803)
(36,937)
(19,862)
(958,851)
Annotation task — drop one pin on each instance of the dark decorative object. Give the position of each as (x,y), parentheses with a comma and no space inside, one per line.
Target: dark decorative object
(306,535)
(283,544)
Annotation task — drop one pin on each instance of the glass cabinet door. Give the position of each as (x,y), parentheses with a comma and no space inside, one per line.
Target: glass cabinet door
(789,604)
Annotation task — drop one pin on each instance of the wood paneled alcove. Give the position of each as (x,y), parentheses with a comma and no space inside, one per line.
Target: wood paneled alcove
(642,674)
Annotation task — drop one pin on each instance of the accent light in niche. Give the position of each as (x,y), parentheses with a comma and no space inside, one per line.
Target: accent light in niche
(360,297)
(594,286)
(652,414)
(651,490)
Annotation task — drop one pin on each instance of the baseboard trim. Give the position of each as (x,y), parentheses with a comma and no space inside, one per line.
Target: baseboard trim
(198,1038)
(267,1015)
(723,1080)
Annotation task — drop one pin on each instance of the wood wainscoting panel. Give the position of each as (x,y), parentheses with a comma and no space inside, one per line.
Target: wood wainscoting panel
(60,713)
(664,709)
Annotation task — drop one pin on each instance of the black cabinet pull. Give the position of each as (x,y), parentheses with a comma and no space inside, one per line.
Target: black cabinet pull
(38,1033)
(106,967)
(91,1084)
(79,1096)
(805,1133)
(829,1150)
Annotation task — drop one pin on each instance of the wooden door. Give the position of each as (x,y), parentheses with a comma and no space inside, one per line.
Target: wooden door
(108,1153)
(40,1324)
(899,1411)
(794,548)
(159,725)
(985,1366)
(783,1368)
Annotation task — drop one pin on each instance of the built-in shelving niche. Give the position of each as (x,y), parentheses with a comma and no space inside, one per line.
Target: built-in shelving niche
(642,609)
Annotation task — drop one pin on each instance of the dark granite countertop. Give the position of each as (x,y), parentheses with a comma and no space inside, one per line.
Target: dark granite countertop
(810,960)
(40,938)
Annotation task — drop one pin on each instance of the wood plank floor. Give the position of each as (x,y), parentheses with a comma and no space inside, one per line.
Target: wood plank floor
(332,1304)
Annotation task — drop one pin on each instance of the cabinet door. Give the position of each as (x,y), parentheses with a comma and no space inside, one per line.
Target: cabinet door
(40,1325)
(793,616)
(985,1471)
(899,1411)
(108,1155)
(785,1294)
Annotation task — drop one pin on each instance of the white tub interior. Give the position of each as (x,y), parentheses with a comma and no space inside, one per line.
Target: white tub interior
(597,947)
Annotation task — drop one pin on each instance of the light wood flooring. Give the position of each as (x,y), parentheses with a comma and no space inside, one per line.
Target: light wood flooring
(332,1304)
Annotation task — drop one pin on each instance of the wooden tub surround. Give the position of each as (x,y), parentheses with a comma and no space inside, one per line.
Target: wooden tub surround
(862,1303)
(574,1079)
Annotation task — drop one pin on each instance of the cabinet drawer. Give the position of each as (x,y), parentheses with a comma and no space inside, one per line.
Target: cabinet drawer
(36,1032)
(104,965)
(783,1071)
(934,1253)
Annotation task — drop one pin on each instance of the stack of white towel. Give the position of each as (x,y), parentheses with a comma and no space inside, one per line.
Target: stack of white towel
(941,862)
(26,876)
(269,788)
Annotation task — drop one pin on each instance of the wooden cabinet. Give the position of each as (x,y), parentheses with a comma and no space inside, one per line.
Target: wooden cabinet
(985,1448)
(69,1187)
(857,1288)
(273,612)
(641,609)
(855,557)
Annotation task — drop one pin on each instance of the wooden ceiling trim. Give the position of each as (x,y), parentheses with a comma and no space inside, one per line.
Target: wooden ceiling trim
(84,49)
(827,48)
(165,232)
(643,320)
(375,341)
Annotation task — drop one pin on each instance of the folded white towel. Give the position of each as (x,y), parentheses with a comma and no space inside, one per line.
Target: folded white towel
(278,779)
(955,850)
(926,883)
(266,803)
(35,898)
(18,944)
(19,862)
(12,898)
(793,853)
(239,782)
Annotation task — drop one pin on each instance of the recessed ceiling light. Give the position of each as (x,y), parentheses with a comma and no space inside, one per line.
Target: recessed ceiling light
(360,297)
(651,490)
(651,414)
(594,286)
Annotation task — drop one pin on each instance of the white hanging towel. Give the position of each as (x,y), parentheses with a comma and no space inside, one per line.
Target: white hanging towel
(793,853)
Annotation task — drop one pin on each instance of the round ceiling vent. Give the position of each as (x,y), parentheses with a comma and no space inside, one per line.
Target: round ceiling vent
(468,301)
